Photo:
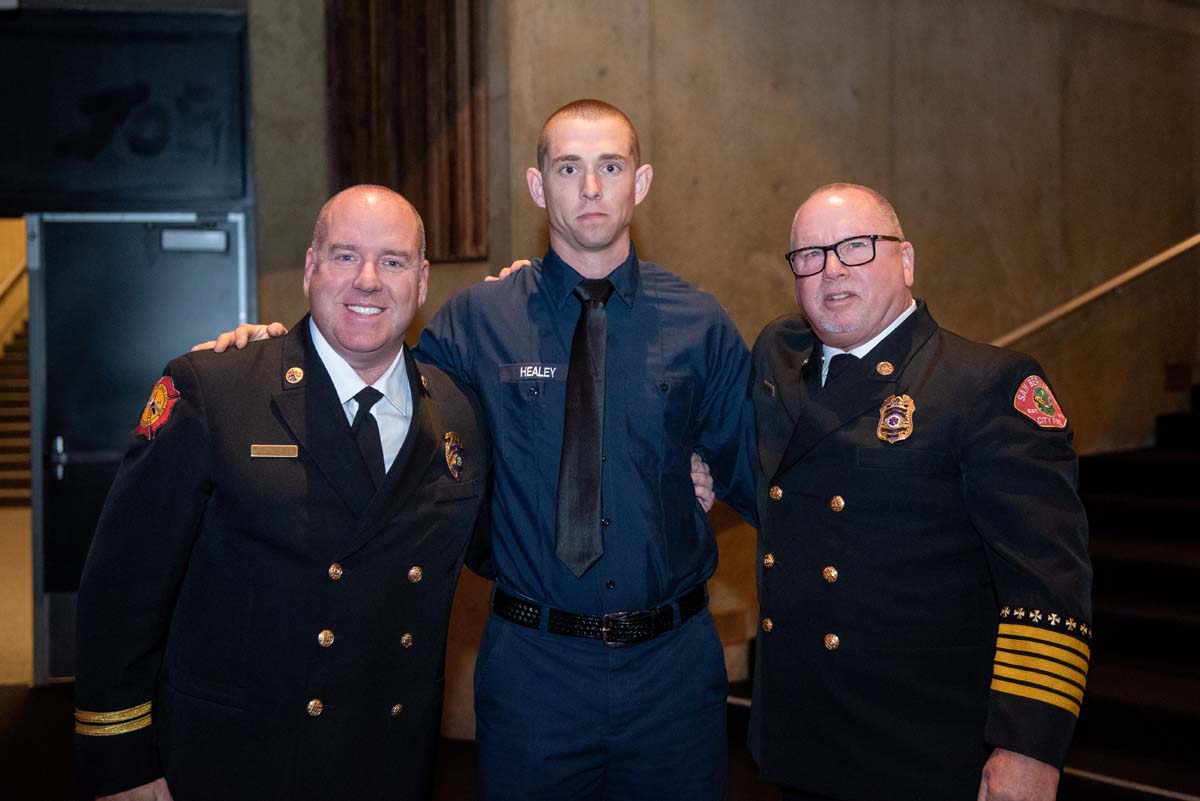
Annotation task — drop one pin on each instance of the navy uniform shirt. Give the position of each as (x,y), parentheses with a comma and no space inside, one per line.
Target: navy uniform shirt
(676,382)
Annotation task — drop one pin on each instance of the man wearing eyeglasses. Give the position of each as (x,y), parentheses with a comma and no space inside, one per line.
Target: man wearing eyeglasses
(923,573)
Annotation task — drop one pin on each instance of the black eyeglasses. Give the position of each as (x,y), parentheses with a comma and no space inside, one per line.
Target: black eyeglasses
(853,252)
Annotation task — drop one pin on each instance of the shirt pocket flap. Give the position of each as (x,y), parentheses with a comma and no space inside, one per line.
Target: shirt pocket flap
(907,459)
(454,491)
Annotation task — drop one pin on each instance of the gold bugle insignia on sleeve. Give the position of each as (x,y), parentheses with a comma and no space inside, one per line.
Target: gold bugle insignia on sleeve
(104,724)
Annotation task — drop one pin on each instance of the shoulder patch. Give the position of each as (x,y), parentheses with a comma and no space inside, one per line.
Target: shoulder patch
(1035,400)
(163,398)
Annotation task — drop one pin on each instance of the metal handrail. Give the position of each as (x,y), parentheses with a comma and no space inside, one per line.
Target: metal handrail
(1058,312)
(12,279)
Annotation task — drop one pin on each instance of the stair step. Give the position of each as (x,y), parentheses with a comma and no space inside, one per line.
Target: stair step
(14,384)
(1141,709)
(14,497)
(9,428)
(1150,472)
(1145,770)
(1174,689)
(1131,516)
(15,483)
(14,415)
(1124,564)
(1152,631)
(1178,431)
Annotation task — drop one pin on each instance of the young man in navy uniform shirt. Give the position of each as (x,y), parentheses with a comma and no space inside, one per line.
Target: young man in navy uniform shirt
(561,713)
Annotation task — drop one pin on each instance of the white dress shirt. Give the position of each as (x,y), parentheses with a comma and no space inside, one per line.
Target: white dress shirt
(865,348)
(393,412)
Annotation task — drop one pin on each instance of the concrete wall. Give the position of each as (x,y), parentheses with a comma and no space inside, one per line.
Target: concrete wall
(1033,150)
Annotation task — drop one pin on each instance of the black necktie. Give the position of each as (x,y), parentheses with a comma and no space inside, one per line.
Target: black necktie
(366,431)
(838,365)
(579,542)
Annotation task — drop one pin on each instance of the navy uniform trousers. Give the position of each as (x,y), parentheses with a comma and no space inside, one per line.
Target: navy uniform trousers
(658,706)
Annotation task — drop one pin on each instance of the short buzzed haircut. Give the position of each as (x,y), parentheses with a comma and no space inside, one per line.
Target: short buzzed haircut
(885,206)
(588,109)
(321,227)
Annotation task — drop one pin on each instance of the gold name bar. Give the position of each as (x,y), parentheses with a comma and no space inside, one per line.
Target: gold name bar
(274,451)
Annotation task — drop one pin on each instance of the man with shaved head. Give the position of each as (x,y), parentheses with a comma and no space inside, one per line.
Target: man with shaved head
(263,611)
(600,675)
(923,574)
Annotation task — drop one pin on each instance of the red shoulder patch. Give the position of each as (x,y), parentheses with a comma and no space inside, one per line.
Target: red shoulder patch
(1035,400)
(163,398)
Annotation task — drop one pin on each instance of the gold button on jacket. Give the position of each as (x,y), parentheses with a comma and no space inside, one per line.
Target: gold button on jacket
(406,640)
(837,503)
(315,707)
(396,710)
(415,574)
(830,574)
(776,492)
(769,560)
(768,624)
(335,571)
(325,638)
(832,642)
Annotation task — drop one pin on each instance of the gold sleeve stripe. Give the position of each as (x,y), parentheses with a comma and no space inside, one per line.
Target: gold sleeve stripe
(1065,640)
(114,728)
(120,715)
(1042,649)
(1041,680)
(1058,669)
(1037,695)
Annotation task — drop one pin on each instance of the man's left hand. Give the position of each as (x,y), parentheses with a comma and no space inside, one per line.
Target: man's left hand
(702,479)
(1009,776)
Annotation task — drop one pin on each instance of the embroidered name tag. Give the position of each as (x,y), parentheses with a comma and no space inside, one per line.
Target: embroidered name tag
(274,452)
(533,371)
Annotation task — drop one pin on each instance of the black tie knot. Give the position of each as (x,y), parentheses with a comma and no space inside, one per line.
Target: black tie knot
(593,290)
(838,365)
(366,397)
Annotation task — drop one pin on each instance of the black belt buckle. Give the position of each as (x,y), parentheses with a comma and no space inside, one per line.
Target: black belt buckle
(611,627)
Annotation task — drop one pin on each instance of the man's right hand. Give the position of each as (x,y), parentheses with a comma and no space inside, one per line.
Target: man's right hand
(509,270)
(154,791)
(242,335)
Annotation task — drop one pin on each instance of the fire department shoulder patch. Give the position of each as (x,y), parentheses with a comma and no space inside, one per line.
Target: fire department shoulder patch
(1035,400)
(163,398)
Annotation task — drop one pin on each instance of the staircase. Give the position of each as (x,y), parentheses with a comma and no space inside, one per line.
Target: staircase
(1141,714)
(14,421)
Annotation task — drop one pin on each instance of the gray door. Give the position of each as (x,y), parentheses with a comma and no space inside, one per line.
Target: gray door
(113,297)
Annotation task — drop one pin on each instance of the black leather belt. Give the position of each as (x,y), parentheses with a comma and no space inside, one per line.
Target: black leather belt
(615,628)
